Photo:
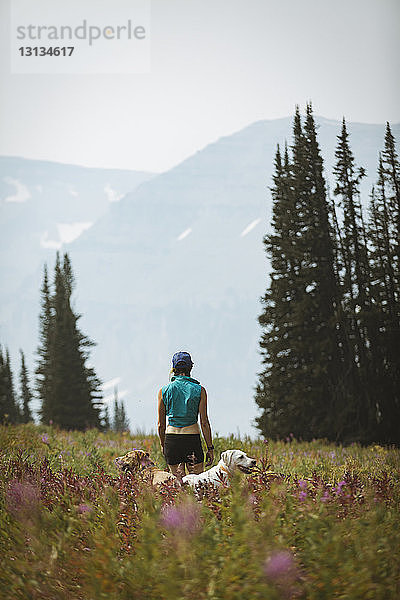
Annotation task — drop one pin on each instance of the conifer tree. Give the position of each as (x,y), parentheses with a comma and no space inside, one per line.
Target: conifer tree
(391,172)
(120,421)
(9,408)
(26,395)
(124,418)
(384,235)
(354,274)
(44,352)
(297,390)
(106,419)
(72,397)
(273,391)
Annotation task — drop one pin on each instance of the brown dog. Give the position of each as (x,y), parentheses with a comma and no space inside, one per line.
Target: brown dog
(140,461)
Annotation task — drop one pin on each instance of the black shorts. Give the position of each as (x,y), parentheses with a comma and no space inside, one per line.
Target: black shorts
(183,448)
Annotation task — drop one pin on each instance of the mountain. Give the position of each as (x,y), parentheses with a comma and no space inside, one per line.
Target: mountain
(44,204)
(178,264)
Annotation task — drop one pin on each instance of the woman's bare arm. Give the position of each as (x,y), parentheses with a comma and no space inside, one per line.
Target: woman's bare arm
(205,426)
(161,420)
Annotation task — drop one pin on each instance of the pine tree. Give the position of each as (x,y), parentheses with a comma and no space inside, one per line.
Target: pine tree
(297,390)
(384,235)
(124,418)
(120,421)
(26,395)
(9,408)
(391,172)
(72,397)
(273,391)
(44,352)
(355,280)
(106,419)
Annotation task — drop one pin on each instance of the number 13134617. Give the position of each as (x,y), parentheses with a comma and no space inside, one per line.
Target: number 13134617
(44,51)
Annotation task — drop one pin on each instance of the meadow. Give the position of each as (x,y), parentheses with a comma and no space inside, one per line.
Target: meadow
(315,521)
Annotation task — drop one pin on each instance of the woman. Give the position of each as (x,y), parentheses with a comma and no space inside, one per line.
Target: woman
(182,400)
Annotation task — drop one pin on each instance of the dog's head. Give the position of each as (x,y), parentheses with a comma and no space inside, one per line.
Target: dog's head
(136,460)
(238,459)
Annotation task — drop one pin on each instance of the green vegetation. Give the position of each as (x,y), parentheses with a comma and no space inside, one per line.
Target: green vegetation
(314,521)
(331,313)
(69,390)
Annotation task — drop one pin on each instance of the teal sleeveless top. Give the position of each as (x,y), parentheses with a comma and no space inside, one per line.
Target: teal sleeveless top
(181,398)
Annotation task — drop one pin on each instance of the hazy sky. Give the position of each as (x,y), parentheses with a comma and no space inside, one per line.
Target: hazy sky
(216,66)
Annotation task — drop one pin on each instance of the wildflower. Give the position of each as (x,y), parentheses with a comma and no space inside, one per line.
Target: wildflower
(84,508)
(22,498)
(303,489)
(183,518)
(338,490)
(252,500)
(325,496)
(45,438)
(280,568)
(146,461)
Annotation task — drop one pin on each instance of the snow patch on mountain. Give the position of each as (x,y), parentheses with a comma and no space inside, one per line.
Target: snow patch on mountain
(184,234)
(67,233)
(250,227)
(110,397)
(112,195)
(22,194)
(111,383)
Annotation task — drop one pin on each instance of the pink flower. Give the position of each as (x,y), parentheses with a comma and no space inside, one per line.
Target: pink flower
(280,568)
(84,508)
(184,518)
(22,498)
(339,488)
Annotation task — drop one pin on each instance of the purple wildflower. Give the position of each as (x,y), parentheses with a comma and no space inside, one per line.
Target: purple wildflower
(338,490)
(325,496)
(302,484)
(146,462)
(45,438)
(84,508)
(280,567)
(22,498)
(183,518)
(302,495)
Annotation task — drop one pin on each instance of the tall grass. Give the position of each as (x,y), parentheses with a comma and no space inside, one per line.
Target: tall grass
(314,521)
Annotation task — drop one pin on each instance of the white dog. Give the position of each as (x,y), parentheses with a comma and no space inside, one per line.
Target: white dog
(230,460)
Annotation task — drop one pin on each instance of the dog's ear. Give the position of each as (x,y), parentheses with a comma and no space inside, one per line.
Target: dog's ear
(227,457)
(133,459)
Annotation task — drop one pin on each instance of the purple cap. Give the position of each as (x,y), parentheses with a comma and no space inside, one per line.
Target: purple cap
(182,358)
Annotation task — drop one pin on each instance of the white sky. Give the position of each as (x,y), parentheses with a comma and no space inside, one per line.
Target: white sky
(217,66)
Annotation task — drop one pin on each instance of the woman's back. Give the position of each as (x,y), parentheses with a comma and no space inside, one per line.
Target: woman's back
(181,398)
